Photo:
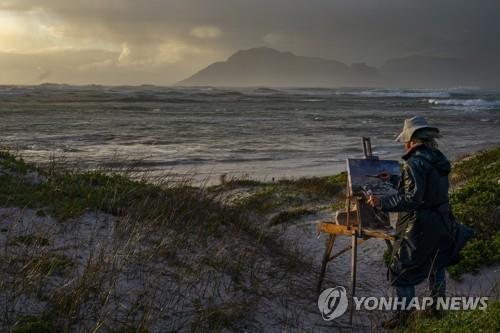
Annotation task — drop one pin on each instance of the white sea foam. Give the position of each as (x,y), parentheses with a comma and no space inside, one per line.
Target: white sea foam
(230,131)
(469,103)
(313,100)
(400,93)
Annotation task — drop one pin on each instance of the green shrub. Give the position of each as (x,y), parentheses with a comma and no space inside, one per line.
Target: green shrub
(484,165)
(474,204)
(476,253)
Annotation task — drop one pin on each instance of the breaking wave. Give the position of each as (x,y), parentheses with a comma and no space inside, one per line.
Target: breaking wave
(313,100)
(473,103)
(400,93)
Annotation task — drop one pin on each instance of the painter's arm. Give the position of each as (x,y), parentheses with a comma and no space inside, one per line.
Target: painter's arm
(411,197)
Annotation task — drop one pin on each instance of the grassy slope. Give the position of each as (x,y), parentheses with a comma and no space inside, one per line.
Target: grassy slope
(68,194)
(195,215)
(186,209)
(191,215)
(475,203)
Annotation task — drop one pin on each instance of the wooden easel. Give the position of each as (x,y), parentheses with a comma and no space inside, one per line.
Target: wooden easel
(348,222)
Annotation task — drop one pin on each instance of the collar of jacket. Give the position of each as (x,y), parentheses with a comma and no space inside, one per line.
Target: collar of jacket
(412,150)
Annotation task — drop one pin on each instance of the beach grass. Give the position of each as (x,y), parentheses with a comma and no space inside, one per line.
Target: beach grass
(196,237)
(168,231)
(70,193)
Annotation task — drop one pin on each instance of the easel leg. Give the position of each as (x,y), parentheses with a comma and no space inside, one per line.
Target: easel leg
(326,259)
(354,253)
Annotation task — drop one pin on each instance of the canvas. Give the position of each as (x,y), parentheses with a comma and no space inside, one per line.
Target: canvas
(363,180)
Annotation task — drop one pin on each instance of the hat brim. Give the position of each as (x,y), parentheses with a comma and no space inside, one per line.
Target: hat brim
(406,135)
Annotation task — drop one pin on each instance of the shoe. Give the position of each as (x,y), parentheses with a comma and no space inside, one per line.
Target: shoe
(399,319)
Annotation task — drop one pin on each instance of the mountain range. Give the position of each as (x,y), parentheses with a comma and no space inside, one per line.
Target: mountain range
(265,66)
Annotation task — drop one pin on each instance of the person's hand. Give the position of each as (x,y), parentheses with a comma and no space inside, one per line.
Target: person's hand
(384,176)
(374,201)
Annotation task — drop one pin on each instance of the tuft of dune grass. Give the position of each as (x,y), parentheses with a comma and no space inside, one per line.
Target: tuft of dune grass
(289,215)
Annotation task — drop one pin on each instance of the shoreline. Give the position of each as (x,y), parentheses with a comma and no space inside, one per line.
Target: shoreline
(212,178)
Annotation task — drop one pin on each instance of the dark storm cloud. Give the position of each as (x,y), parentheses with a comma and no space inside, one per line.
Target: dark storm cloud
(348,30)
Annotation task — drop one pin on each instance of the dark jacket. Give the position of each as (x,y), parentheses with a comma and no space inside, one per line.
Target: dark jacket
(425,229)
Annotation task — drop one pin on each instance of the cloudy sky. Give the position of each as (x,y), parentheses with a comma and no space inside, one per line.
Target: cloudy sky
(164,41)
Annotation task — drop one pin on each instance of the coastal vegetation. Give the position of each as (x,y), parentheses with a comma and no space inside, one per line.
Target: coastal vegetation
(464,321)
(77,245)
(476,203)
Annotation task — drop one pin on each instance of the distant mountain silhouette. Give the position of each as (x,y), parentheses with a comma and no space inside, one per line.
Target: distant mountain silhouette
(268,67)
(265,66)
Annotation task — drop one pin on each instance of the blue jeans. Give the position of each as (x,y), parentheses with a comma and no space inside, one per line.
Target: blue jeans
(437,287)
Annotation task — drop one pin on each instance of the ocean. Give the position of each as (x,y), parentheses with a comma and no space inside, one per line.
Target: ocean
(260,133)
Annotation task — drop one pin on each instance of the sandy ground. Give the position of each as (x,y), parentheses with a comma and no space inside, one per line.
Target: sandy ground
(289,305)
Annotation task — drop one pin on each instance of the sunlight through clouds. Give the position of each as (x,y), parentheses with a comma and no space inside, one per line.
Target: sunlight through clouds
(18,34)
(175,38)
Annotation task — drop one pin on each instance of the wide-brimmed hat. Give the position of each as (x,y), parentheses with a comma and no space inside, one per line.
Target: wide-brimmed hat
(412,125)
